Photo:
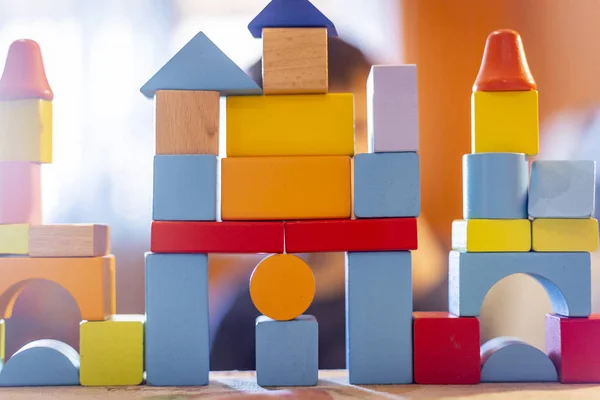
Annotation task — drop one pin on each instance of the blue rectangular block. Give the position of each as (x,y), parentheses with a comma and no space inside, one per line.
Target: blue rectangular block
(387,185)
(185,188)
(177,327)
(379,318)
(562,189)
(287,352)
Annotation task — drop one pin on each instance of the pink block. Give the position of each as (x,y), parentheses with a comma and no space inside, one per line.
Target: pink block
(20,193)
(392,109)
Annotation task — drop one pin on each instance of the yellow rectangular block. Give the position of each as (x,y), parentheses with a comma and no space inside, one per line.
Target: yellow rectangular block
(505,122)
(560,235)
(14,239)
(112,351)
(285,188)
(26,130)
(491,235)
(73,240)
(292,125)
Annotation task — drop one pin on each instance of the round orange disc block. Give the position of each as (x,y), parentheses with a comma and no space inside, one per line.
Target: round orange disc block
(282,287)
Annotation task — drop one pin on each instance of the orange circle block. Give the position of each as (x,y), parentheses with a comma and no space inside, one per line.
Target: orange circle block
(24,76)
(282,287)
(504,66)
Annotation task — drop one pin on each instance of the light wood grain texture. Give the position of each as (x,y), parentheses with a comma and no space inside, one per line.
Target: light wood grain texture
(295,60)
(187,122)
(69,240)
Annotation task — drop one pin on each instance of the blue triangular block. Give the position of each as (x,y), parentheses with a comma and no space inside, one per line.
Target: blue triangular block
(201,65)
(292,14)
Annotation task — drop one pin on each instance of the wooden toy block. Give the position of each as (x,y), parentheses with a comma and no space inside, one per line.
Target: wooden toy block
(187,122)
(491,235)
(90,280)
(42,363)
(177,331)
(446,349)
(185,188)
(75,240)
(387,185)
(287,352)
(566,277)
(295,61)
(508,359)
(392,109)
(14,239)
(24,75)
(572,344)
(217,237)
(26,131)
(21,188)
(565,234)
(201,65)
(279,188)
(495,186)
(291,125)
(290,14)
(379,318)
(386,234)
(282,287)
(562,189)
(112,351)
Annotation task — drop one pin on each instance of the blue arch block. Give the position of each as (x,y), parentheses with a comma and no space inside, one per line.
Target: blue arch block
(566,277)
(42,363)
(508,359)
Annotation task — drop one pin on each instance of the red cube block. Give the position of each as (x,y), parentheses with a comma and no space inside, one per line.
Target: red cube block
(573,344)
(446,349)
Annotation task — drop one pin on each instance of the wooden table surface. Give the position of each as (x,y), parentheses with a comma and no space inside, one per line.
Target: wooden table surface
(332,385)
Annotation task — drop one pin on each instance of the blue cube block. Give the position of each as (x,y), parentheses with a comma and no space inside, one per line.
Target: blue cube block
(495,186)
(387,185)
(562,189)
(287,352)
(185,188)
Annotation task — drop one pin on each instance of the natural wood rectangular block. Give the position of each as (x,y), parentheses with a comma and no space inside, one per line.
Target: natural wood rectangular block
(69,240)
(187,122)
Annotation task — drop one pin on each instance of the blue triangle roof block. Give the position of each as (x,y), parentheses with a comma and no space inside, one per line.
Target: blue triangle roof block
(290,14)
(201,65)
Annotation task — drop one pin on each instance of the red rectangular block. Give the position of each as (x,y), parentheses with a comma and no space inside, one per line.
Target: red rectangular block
(217,237)
(573,345)
(446,349)
(385,234)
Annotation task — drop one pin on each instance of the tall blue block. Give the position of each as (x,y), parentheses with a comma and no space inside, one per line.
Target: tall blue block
(566,277)
(185,188)
(387,185)
(177,328)
(287,352)
(495,186)
(562,189)
(379,318)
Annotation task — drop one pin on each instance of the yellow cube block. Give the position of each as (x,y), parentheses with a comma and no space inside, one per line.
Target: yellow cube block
(26,131)
(112,351)
(565,234)
(14,239)
(491,235)
(505,122)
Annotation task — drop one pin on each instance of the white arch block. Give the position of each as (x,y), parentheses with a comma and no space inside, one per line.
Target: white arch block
(392,109)
(566,277)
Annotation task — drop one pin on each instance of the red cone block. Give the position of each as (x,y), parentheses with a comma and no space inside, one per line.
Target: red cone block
(24,75)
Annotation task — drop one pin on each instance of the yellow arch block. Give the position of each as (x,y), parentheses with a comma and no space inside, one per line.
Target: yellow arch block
(14,239)
(26,131)
(491,235)
(565,235)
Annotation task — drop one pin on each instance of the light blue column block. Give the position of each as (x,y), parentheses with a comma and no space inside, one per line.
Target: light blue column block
(177,327)
(379,318)
(287,352)
(562,189)
(185,188)
(495,186)
(387,185)
(566,277)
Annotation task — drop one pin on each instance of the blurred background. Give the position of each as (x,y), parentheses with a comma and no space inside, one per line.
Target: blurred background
(98,54)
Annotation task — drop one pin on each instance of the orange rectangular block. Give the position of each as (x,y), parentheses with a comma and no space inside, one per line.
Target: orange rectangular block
(285,188)
(76,240)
